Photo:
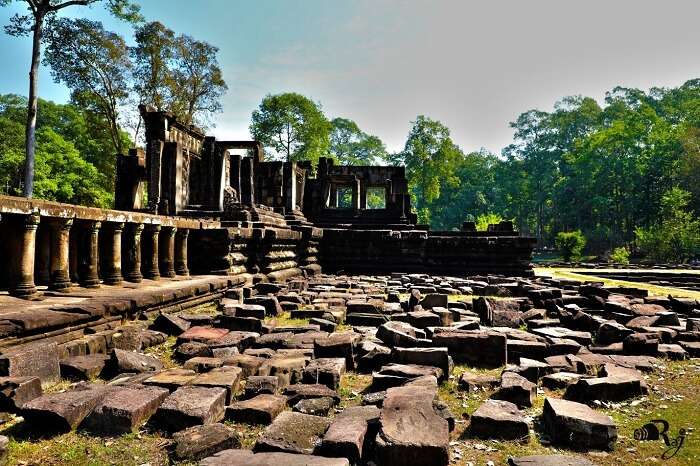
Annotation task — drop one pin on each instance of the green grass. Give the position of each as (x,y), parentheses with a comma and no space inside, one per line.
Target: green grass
(164,352)
(78,449)
(562,272)
(285,320)
(673,396)
(351,388)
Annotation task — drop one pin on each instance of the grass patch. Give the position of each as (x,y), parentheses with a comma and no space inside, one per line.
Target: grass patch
(557,272)
(78,449)
(285,320)
(164,352)
(351,388)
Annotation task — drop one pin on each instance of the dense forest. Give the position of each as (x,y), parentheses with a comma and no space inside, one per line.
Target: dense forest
(622,173)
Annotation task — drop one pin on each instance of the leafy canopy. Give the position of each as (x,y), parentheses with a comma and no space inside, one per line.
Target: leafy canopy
(292,126)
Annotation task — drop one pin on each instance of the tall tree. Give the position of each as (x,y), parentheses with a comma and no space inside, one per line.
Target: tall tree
(94,64)
(430,158)
(198,81)
(352,146)
(39,11)
(152,57)
(292,126)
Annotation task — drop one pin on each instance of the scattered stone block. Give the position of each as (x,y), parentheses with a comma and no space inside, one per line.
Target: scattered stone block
(62,412)
(560,380)
(203,364)
(394,375)
(170,324)
(190,406)
(249,364)
(641,344)
(436,357)
(300,391)
(471,382)
(125,410)
(315,406)
(192,349)
(326,371)
(578,426)
(261,385)
(516,389)
(172,379)
(270,303)
(85,367)
(411,433)
(474,347)
(227,378)
(198,442)
(129,361)
(612,388)
(201,335)
(550,460)
(248,458)
(345,438)
(338,345)
(497,419)
(261,409)
(15,392)
(292,432)
(32,360)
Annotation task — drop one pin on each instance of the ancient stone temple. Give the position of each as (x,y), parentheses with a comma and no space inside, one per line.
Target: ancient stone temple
(213,260)
(278,219)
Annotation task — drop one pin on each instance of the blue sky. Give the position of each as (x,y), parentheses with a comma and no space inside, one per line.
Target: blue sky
(474,65)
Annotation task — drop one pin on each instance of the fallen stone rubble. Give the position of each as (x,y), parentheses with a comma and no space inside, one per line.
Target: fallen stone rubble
(244,364)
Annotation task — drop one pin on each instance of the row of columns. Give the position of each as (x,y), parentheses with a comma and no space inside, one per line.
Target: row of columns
(80,251)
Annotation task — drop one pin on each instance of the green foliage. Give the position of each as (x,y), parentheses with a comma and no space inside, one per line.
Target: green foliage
(94,64)
(570,244)
(178,74)
(292,126)
(484,220)
(152,57)
(620,255)
(199,83)
(676,236)
(430,158)
(66,149)
(352,146)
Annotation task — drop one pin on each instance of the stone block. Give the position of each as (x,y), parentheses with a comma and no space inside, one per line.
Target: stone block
(125,410)
(576,425)
(15,392)
(261,409)
(497,419)
(199,442)
(293,433)
(190,406)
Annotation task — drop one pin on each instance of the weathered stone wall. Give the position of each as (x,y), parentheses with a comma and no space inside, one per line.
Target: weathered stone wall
(458,253)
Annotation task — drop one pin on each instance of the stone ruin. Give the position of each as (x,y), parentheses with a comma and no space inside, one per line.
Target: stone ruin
(212,247)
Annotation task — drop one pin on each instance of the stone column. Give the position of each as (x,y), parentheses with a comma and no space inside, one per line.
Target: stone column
(181,252)
(42,258)
(89,253)
(22,257)
(166,252)
(150,252)
(132,252)
(112,266)
(59,278)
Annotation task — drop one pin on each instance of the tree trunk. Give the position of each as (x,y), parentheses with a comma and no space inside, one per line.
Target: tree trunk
(30,141)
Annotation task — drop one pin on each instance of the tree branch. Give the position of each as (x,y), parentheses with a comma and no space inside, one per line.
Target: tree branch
(60,6)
